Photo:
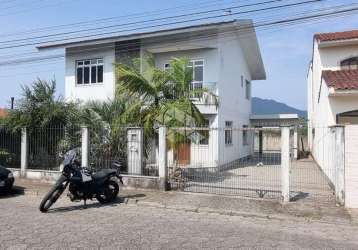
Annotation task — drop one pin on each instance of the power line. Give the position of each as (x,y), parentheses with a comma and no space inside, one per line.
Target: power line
(150,20)
(126,17)
(161,25)
(260,25)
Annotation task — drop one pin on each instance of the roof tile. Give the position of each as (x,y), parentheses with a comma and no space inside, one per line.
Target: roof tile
(345,35)
(341,79)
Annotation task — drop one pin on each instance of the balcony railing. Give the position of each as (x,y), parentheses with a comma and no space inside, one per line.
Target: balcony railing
(205,98)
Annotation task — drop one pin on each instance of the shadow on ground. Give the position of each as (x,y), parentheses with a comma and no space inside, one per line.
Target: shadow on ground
(15,191)
(118,201)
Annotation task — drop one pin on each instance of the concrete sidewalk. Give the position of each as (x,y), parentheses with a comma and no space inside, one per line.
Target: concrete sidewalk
(229,205)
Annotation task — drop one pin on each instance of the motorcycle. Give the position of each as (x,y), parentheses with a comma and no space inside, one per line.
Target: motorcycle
(83,184)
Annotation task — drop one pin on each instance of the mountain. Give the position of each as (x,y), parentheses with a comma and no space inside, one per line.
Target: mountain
(266,106)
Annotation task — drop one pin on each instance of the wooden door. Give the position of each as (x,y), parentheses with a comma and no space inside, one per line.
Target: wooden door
(183,154)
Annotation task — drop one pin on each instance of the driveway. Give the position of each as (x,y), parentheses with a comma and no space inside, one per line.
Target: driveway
(124,226)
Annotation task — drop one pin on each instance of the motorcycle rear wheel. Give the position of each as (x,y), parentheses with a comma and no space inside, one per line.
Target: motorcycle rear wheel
(109,192)
(51,197)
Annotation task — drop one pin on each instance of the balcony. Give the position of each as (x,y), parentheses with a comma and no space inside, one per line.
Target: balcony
(207,104)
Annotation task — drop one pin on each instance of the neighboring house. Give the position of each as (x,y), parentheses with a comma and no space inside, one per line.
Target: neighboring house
(225,58)
(333,100)
(3,113)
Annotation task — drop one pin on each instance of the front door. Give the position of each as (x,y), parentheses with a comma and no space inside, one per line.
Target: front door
(183,153)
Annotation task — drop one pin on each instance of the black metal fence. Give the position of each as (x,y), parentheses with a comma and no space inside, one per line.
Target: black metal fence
(46,146)
(10,147)
(129,146)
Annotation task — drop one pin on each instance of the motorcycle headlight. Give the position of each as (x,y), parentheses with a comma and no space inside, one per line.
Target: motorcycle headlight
(10,175)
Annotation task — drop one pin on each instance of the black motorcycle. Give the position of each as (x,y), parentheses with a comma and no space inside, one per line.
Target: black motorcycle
(83,184)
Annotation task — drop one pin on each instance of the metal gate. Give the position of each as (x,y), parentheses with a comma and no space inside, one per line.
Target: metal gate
(230,161)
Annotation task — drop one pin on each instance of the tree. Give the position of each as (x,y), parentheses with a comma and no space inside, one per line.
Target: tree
(39,107)
(164,97)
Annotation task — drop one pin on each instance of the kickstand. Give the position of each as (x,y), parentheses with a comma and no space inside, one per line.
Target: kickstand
(85,203)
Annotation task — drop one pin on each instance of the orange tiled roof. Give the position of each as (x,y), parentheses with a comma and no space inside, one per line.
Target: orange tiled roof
(334,36)
(341,79)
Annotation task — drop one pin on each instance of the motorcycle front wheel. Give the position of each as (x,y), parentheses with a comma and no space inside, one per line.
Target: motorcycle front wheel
(51,197)
(108,193)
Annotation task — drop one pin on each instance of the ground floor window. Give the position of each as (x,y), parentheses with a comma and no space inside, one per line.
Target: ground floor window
(245,139)
(228,133)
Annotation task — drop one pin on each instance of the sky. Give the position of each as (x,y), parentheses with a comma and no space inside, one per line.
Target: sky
(286,51)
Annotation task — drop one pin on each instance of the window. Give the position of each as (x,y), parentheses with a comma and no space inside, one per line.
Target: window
(204,138)
(166,66)
(198,73)
(248,90)
(89,71)
(228,133)
(350,63)
(245,138)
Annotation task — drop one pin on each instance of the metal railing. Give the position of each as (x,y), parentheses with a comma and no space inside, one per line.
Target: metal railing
(46,146)
(10,147)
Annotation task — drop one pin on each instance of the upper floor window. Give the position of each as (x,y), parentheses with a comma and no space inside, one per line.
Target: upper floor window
(89,71)
(350,63)
(248,90)
(198,73)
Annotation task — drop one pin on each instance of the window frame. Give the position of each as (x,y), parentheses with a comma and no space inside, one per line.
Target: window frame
(247,89)
(228,133)
(90,65)
(193,82)
(351,63)
(245,135)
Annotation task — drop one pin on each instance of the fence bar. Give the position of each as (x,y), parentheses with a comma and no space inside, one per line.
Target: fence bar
(339,164)
(162,158)
(85,146)
(285,164)
(24,152)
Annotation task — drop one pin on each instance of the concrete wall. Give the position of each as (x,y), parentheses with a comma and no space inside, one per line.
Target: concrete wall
(351,166)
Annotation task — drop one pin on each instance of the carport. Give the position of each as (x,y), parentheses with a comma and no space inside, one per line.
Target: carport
(276,121)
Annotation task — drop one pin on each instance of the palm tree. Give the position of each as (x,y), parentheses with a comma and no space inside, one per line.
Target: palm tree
(164,97)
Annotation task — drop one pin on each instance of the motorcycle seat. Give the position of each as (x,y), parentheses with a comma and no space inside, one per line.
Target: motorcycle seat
(103,173)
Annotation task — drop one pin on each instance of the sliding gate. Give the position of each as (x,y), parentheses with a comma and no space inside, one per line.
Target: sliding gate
(230,161)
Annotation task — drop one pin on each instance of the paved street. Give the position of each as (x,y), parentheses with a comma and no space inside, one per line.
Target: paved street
(124,226)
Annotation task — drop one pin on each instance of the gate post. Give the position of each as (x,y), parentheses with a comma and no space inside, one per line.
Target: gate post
(85,146)
(339,164)
(295,142)
(285,164)
(135,150)
(162,158)
(24,152)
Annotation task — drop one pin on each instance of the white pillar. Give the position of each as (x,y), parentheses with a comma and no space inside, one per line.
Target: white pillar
(295,143)
(339,165)
(285,164)
(85,146)
(24,152)
(162,158)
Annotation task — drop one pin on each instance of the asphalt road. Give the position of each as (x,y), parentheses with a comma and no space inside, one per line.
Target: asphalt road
(123,226)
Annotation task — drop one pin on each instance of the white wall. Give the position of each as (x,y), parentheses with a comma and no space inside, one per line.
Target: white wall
(233,104)
(102,91)
(323,108)
(351,166)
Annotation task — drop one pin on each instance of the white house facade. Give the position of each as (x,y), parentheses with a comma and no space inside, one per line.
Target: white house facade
(225,58)
(333,100)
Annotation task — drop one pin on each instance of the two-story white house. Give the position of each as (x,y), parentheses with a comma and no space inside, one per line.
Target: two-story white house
(225,58)
(333,100)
